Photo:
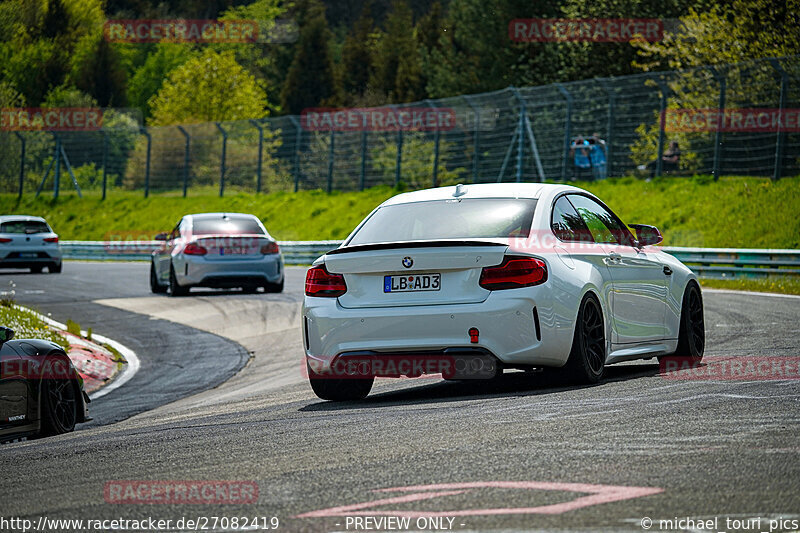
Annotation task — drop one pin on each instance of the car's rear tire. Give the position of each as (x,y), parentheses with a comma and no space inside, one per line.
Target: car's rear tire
(339,390)
(59,406)
(692,333)
(587,357)
(175,289)
(55,268)
(274,287)
(36,270)
(155,286)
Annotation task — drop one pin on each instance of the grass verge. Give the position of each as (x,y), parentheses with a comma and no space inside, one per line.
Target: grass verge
(776,284)
(27,325)
(734,212)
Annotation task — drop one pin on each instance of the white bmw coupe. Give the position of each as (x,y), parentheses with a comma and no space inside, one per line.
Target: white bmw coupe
(468,280)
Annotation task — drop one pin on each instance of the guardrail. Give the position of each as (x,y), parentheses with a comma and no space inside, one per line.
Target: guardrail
(731,262)
(294,252)
(705,262)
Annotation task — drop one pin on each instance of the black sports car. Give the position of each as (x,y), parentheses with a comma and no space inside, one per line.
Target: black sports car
(41,393)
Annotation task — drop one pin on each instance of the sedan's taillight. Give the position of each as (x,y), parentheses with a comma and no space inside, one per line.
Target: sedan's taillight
(194,249)
(4,239)
(514,272)
(51,239)
(271,248)
(320,282)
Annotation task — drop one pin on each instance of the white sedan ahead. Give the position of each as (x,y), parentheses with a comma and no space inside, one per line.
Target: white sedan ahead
(468,280)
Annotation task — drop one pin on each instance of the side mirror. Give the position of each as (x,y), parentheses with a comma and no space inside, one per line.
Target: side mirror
(647,235)
(6,334)
(160,236)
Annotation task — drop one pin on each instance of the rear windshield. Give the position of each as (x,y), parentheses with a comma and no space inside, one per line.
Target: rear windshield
(24,226)
(448,219)
(226,226)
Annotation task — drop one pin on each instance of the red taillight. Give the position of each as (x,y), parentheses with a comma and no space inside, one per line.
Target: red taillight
(194,249)
(271,248)
(514,272)
(3,239)
(320,282)
(51,239)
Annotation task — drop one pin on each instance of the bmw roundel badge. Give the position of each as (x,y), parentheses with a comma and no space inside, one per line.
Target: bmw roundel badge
(408,262)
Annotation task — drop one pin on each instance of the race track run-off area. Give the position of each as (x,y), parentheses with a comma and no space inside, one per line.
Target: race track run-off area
(221,396)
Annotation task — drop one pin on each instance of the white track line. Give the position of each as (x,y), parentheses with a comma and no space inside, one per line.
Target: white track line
(129,370)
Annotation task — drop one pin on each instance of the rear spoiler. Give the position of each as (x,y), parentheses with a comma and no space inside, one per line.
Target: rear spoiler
(411,244)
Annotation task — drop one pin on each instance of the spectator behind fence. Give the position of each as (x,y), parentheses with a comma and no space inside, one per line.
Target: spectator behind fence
(670,161)
(597,155)
(580,149)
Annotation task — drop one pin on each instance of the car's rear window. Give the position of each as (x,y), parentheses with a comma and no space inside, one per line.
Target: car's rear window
(226,226)
(474,218)
(24,226)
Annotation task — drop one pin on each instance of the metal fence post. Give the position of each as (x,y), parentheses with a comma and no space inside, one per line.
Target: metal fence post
(567,129)
(260,150)
(363,175)
(21,162)
(186,152)
(105,161)
(296,159)
(398,165)
(721,79)
(518,136)
(399,161)
(331,156)
(475,140)
(664,90)
(435,146)
(781,138)
(57,155)
(144,132)
(612,104)
(222,158)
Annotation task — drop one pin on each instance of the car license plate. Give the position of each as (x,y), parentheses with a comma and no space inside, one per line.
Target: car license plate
(28,254)
(232,251)
(412,283)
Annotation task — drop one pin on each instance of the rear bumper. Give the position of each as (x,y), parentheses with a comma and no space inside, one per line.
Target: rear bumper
(505,322)
(15,259)
(201,272)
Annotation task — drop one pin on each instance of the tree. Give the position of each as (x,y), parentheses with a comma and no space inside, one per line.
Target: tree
(267,59)
(726,33)
(397,62)
(207,88)
(37,40)
(357,54)
(582,60)
(311,80)
(475,53)
(96,70)
(148,79)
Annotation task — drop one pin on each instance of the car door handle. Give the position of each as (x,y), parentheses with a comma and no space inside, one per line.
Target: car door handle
(667,270)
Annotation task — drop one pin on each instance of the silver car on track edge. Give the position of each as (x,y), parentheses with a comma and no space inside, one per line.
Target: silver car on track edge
(220,250)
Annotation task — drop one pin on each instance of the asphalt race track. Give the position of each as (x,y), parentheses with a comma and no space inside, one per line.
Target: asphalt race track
(221,396)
